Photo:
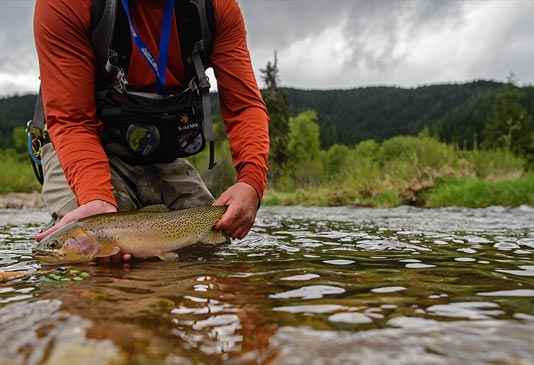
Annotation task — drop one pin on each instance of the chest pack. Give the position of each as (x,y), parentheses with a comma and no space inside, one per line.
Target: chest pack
(151,127)
(154,127)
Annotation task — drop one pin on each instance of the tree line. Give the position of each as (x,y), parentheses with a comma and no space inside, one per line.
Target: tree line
(469,115)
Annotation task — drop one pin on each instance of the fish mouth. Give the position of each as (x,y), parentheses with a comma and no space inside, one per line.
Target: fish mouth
(47,257)
(43,253)
(51,258)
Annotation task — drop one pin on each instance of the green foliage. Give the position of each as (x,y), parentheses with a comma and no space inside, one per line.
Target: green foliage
(367,149)
(420,152)
(336,161)
(350,116)
(278,107)
(400,170)
(304,142)
(15,111)
(305,167)
(20,140)
(363,177)
(511,127)
(17,174)
(491,164)
(464,125)
(475,193)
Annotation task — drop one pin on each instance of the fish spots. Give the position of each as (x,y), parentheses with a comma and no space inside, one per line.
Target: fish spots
(142,233)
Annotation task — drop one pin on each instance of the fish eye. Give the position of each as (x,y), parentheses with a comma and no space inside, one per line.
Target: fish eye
(53,244)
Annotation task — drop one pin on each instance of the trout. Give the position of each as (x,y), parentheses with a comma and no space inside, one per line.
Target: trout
(153,231)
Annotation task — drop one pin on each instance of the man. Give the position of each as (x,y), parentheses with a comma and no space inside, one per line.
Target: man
(84,174)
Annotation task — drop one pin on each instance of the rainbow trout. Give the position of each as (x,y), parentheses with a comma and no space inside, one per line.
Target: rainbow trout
(149,232)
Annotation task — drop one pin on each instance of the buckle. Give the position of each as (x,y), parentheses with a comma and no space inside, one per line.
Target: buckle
(204,82)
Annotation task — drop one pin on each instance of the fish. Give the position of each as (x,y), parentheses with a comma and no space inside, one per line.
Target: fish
(153,231)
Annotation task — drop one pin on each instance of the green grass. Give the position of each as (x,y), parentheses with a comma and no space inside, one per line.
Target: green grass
(476,193)
(16,173)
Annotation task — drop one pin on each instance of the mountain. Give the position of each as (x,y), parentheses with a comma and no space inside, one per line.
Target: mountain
(350,116)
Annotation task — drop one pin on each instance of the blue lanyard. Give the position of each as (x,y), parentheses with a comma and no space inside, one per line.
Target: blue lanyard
(160,66)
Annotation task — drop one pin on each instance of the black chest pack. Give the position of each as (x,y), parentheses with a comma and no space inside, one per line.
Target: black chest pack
(154,127)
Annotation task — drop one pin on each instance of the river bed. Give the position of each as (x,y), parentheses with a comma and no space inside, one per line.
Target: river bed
(339,285)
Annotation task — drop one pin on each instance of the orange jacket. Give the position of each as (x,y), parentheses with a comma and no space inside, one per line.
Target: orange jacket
(67,69)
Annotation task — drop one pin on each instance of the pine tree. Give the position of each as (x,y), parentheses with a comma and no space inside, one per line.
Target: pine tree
(511,126)
(278,106)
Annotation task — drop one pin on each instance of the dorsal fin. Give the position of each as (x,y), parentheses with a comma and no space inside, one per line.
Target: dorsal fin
(155,208)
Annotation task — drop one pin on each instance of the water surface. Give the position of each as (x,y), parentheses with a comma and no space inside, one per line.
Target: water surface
(308,286)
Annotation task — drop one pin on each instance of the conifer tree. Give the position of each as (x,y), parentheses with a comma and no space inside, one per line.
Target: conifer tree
(511,126)
(278,106)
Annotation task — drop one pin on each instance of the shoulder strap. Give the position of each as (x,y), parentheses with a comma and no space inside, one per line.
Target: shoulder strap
(196,22)
(103,14)
(38,120)
(195,18)
(207,23)
(201,50)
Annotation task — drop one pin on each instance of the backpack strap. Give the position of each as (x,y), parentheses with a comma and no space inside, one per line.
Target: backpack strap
(38,120)
(103,14)
(201,49)
(196,41)
(206,27)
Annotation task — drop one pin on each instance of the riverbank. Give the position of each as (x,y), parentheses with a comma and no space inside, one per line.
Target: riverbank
(464,192)
(460,191)
(21,200)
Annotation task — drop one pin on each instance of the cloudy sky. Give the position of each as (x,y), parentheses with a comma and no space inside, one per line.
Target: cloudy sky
(346,43)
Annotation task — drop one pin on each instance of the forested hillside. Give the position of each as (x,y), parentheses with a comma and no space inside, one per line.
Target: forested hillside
(15,111)
(350,116)
(455,112)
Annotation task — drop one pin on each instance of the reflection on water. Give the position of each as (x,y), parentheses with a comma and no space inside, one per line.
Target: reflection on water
(307,286)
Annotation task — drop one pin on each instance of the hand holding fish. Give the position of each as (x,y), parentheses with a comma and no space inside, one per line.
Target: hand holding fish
(85,210)
(242,201)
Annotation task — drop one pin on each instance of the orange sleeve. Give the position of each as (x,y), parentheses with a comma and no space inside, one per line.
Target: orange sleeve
(66,63)
(242,107)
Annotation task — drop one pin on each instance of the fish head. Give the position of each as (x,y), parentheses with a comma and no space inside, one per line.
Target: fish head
(69,244)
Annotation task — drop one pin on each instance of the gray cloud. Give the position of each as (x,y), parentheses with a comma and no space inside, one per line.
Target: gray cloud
(385,38)
(345,43)
(372,29)
(16,35)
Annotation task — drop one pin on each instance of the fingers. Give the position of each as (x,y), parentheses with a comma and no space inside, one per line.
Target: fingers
(236,222)
(115,258)
(63,221)
(242,201)
(91,208)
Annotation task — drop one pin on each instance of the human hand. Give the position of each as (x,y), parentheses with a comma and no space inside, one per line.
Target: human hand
(242,201)
(88,209)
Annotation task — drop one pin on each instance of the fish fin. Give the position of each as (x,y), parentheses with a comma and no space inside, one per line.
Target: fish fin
(215,238)
(155,208)
(168,256)
(107,249)
(12,275)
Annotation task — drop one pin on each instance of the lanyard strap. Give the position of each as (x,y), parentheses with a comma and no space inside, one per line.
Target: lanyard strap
(160,66)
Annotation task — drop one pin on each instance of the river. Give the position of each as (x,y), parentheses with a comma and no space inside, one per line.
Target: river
(338,285)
